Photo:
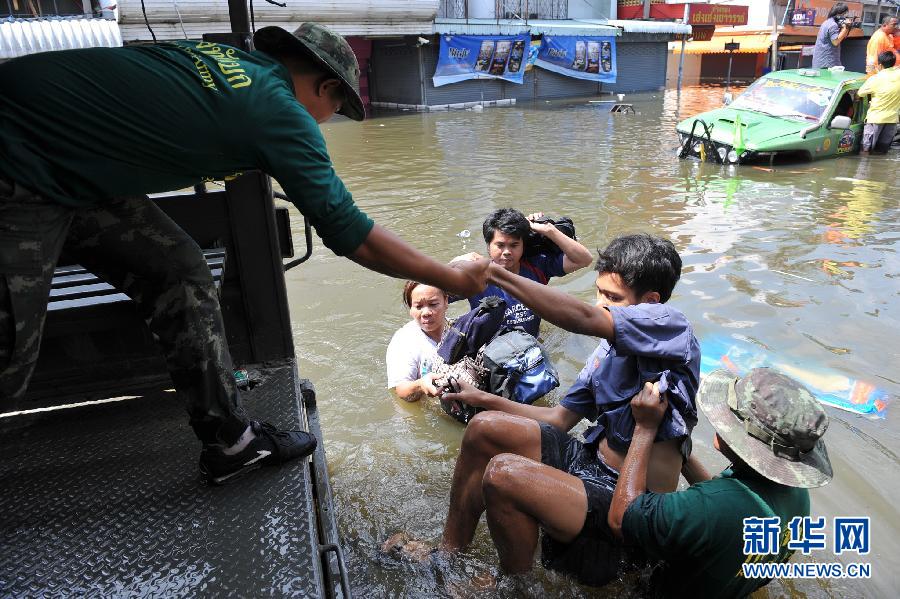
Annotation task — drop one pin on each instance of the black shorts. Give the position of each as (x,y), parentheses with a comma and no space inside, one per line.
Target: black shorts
(594,557)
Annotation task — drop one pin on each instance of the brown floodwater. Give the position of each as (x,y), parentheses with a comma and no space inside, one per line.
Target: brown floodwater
(800,262)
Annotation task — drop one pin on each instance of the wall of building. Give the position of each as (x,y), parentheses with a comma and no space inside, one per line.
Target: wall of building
(744,67)
(690,70)
(362,48)
(853,54)
(396,75)
(592,9)
(640,63)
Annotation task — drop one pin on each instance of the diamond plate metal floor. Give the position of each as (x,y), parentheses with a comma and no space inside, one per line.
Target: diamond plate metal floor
(106,500)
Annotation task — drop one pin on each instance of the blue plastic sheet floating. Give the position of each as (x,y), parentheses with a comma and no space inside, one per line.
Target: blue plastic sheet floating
(829,387)
(592,58)
(463,57)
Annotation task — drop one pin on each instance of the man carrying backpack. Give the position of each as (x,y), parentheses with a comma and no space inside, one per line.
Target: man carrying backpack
(506,233)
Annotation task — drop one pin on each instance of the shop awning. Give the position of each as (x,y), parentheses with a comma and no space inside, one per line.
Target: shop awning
(750,44)
(21,36)
(513,27)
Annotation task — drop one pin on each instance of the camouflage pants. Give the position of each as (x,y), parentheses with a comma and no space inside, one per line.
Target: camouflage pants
(134,246)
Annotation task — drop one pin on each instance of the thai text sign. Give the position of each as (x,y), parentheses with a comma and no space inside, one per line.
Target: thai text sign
(592,58)
(718,14)
(700,14)
(463,57)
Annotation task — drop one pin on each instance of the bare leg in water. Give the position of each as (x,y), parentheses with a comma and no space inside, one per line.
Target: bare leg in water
(521,495)
(489,434)
(499,469)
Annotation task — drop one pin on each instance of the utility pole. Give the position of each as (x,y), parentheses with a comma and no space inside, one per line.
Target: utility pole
(774,38)
(687,8)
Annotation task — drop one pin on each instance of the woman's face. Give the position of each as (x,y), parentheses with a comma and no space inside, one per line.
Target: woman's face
(428,308)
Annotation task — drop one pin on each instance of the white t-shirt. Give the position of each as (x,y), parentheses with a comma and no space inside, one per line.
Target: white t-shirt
(410,354)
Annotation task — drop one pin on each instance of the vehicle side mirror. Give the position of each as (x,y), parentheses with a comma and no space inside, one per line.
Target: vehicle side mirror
(840,122)
(728,99)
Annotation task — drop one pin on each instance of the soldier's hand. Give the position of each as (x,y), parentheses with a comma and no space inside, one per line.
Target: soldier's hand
(476,276)
(470,257)
(649,406)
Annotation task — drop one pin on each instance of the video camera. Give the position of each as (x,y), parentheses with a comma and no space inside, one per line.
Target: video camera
(848,21)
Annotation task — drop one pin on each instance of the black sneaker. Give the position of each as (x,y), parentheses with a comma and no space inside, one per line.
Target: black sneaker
(270,448)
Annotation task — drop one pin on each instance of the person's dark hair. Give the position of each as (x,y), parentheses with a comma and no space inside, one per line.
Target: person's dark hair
(838,9)
(887,59)
(508,221)
(645,263)
(408,289)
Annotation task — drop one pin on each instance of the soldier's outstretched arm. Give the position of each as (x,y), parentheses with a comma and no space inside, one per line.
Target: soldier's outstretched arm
(384,252)
(558,307)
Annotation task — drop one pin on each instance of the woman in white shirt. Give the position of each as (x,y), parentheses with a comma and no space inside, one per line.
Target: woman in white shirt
(410,354)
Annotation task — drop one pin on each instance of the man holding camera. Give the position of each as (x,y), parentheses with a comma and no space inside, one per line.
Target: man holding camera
(835,29)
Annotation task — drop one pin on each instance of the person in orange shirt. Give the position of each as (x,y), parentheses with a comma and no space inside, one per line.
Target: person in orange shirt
(881,41)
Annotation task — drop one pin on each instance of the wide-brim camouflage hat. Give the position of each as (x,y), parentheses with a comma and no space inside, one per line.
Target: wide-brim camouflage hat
(771,422)
(327,48)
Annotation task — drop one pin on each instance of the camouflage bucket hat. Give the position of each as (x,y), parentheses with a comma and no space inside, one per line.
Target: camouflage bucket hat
(326,47)
(771,422)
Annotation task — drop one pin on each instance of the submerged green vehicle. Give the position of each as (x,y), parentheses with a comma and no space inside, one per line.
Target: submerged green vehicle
(799,114)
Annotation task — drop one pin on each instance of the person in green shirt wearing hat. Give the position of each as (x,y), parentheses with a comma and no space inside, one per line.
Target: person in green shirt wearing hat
(176,114)
(771,429)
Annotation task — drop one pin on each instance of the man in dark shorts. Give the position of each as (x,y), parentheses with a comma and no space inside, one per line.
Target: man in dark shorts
(76,177)
(884,106)
(770,428)
(517,462)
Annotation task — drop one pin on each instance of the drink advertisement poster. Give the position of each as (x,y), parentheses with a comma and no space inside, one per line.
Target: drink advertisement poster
(465,57)
(590,58)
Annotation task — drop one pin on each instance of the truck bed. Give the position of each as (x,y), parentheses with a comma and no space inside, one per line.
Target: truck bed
(106,499)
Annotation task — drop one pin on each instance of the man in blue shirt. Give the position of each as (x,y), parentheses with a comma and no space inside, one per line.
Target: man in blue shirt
(517,461)
(505,233)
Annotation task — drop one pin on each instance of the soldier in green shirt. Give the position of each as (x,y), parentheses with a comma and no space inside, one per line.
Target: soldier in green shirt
(173,115)
(771,428)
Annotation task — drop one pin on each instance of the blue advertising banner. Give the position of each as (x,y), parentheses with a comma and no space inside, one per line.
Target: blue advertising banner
(465,57)
(591,58)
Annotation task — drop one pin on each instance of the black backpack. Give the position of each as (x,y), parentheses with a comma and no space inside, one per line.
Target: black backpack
(472,330)
(538,244)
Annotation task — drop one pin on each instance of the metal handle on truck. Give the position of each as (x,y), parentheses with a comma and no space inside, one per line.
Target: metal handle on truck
(307,233)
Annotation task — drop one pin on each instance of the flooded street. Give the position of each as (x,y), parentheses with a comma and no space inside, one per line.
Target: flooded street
(800,263)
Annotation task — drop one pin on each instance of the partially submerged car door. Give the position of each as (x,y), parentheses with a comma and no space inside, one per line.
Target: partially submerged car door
(837,137)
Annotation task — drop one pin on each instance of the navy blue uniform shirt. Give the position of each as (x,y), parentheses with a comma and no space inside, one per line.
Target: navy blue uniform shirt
(537,268)
(653,342)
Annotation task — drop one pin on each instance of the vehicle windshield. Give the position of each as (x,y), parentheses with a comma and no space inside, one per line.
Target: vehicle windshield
(787,99)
